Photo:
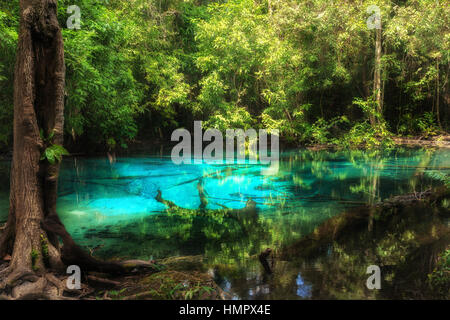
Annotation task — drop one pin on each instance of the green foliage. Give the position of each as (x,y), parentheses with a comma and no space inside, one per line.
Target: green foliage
(147,67)
(364,134)
(44,249)
(54,153)
(197,291)
(104,97)
(427,124)
(170,285)
(115,294)
(8,39)
(34,259)
(439,279)
(440,175)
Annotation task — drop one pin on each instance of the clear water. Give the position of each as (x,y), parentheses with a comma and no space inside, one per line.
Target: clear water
(113,204)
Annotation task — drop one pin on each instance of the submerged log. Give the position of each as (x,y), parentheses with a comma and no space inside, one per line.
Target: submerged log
(263,259)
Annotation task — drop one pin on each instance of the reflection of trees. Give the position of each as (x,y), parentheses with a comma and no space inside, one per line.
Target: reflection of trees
(224,235)
(310,186)
(312,170)
(230,235)
(404,243)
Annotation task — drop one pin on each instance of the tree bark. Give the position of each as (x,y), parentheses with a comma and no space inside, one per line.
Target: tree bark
(38,105)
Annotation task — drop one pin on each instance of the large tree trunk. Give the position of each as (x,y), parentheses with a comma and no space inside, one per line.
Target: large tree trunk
(33,227)
(38,105)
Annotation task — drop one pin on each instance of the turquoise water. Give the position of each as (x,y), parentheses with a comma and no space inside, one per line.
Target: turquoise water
(112,206)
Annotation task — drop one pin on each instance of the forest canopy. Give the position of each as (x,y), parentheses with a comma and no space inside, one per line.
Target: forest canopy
(142,68)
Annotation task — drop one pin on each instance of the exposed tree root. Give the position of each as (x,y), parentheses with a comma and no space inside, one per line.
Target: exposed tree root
(22,284)
(72,254)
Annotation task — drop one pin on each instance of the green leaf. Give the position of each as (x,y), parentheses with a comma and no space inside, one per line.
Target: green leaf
(50,155)
(54,153)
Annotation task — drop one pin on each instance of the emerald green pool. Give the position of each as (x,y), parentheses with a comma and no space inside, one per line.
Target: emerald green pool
(112,205)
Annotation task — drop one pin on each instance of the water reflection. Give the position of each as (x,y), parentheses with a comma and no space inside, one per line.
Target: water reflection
(303,290)
(112,206)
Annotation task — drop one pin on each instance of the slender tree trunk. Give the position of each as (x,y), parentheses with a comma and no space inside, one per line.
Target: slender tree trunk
(383,81)
(377,74)
(437,95)
(366,86)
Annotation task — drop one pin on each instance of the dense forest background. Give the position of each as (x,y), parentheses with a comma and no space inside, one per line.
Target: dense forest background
(138,69)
